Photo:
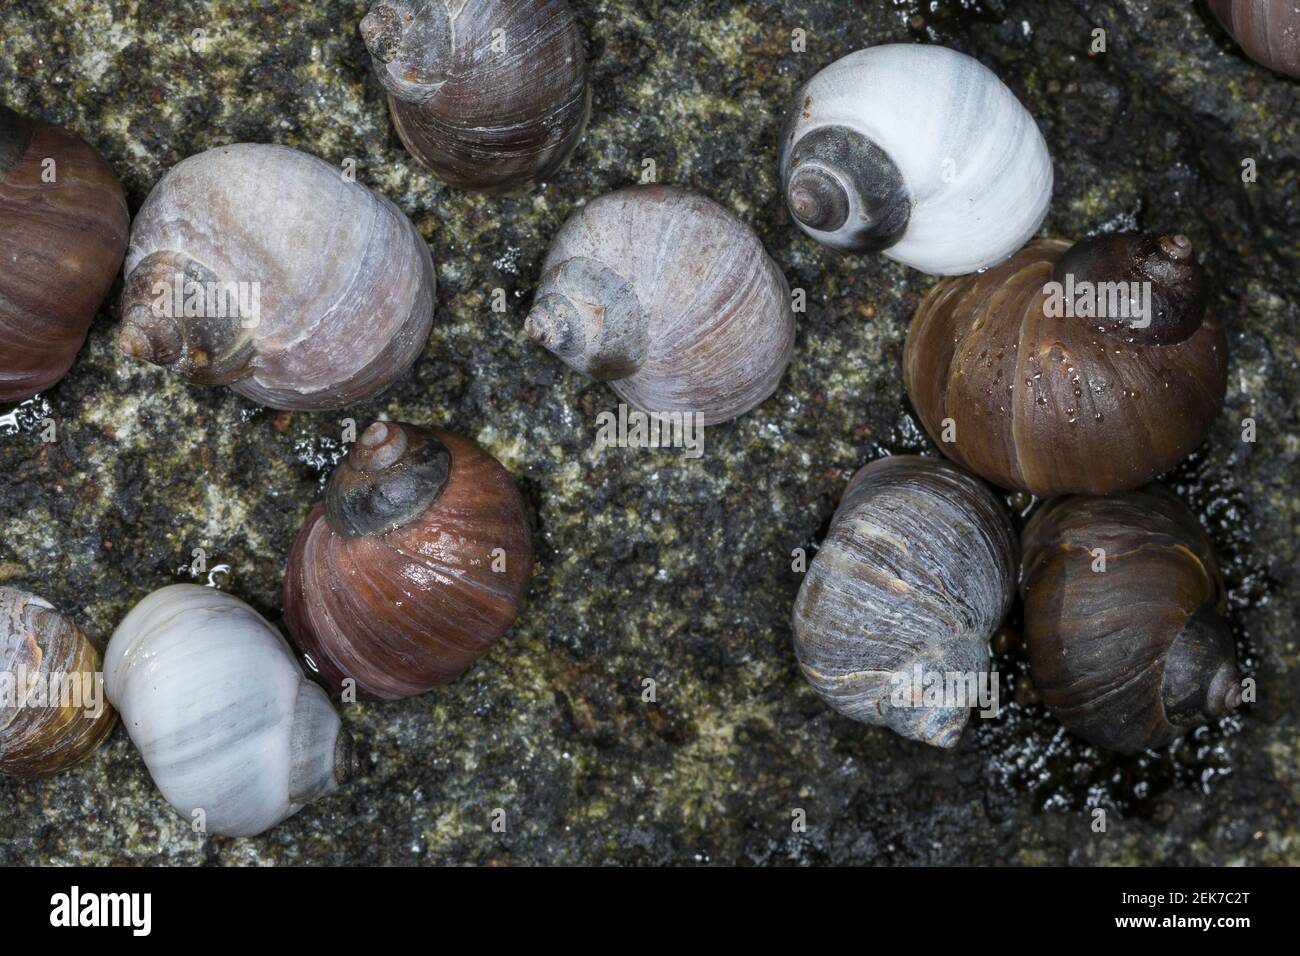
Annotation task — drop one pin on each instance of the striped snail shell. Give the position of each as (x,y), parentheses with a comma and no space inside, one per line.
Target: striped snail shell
(262,268)
(221,712)
(417,562)
(915,575)
(1134,652)
(917,151)
(669,298)
(47,730)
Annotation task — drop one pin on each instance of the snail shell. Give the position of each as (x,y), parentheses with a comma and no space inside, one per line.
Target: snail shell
(63,229)
(1268,30)
(318,291)
(220,710)
(669,298)
(488,94)
(916,572)
(918,151)
(1131,657)
(1056,404)
(415,564)
(50,733)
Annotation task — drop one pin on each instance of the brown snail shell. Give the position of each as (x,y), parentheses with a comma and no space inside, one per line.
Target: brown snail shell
(668,297)
(1063,404)
(63,229)
(916,573)
(1268,30)
(1133,656)
(299,289)
(417,561)
(488,94)
(41,733)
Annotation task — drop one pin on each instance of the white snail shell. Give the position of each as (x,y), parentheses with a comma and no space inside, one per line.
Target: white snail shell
(671,299)
(344,281)
(919,151)
(220,711)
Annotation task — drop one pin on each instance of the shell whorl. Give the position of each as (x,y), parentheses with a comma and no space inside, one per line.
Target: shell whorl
(668,297)
(391,476)
(917,572)
(842,185)
(917,150)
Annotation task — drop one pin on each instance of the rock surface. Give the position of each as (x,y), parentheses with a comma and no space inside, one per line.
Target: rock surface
(650,565)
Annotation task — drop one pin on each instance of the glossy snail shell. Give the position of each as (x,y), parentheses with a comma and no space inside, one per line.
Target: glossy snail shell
(669,298)
(488,94)
(318,292)
(915,575)
(1133,656)
(48,730)
(414,565)
(221,712)
(917,151)
(63,229)
(1268,30)
(1055,404)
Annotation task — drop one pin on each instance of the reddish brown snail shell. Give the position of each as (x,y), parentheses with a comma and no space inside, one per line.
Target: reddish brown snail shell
(416,562)
(63,232)
(1035,400)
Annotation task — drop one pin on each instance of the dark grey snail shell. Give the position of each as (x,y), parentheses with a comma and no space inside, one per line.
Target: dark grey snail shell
(917,572)
(488,94)
(1135,655)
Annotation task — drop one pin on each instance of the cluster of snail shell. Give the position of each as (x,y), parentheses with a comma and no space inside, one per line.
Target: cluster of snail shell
(418,558)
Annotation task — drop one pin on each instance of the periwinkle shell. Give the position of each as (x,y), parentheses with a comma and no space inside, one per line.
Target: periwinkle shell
(415,564)
(670,299)
(221,712)
(491,95)
(49,730)
(63,230)
(1061,404)
(915,575)
(344,282)
(918,151)
(1132,653)
(1268,30)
